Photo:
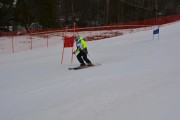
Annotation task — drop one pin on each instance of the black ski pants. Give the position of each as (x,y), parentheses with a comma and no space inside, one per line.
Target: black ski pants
(82,56)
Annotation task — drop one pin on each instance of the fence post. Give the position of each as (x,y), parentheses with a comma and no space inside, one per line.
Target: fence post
(12,44)
(47,41)
(30,41)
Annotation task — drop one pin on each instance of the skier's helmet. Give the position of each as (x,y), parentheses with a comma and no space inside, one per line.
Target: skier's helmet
(76,37)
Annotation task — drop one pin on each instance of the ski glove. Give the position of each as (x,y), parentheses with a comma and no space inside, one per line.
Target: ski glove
(74,52)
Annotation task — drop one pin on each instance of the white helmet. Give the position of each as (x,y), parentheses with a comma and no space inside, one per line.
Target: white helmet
(76,37)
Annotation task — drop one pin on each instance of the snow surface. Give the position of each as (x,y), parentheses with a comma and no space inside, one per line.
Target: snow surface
(139,79)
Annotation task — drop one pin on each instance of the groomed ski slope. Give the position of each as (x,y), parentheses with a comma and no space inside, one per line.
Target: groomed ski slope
(139,79)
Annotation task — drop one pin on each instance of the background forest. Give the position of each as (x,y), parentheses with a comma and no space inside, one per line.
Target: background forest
(59,13)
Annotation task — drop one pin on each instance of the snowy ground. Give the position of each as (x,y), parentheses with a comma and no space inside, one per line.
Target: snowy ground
(139,79)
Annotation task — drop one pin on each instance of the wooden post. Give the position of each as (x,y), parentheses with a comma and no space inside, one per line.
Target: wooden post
(62,56)
(12,44)
(47,41)
(30,41)
(73,44)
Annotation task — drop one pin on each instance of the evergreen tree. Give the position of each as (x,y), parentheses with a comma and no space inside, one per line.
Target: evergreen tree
(56,13)
(6,12)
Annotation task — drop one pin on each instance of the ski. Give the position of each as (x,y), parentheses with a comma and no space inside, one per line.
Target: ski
(82,67)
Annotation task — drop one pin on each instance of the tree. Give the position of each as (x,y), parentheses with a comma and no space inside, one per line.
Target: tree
(6,12)
(59,13)
(36,11)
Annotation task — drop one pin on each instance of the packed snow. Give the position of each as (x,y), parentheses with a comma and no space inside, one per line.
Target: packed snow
(138,79)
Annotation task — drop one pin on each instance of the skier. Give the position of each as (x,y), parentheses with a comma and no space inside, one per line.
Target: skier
(81,51)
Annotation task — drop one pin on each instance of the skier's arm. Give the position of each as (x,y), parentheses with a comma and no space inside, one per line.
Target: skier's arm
(80,46)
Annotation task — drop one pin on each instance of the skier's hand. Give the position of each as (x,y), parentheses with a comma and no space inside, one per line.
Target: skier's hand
(74,52)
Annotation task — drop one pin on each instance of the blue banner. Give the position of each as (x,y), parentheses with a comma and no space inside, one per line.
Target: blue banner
(156,31)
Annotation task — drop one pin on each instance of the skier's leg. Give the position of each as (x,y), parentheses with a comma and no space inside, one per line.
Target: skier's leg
(85,58)
(79,57)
